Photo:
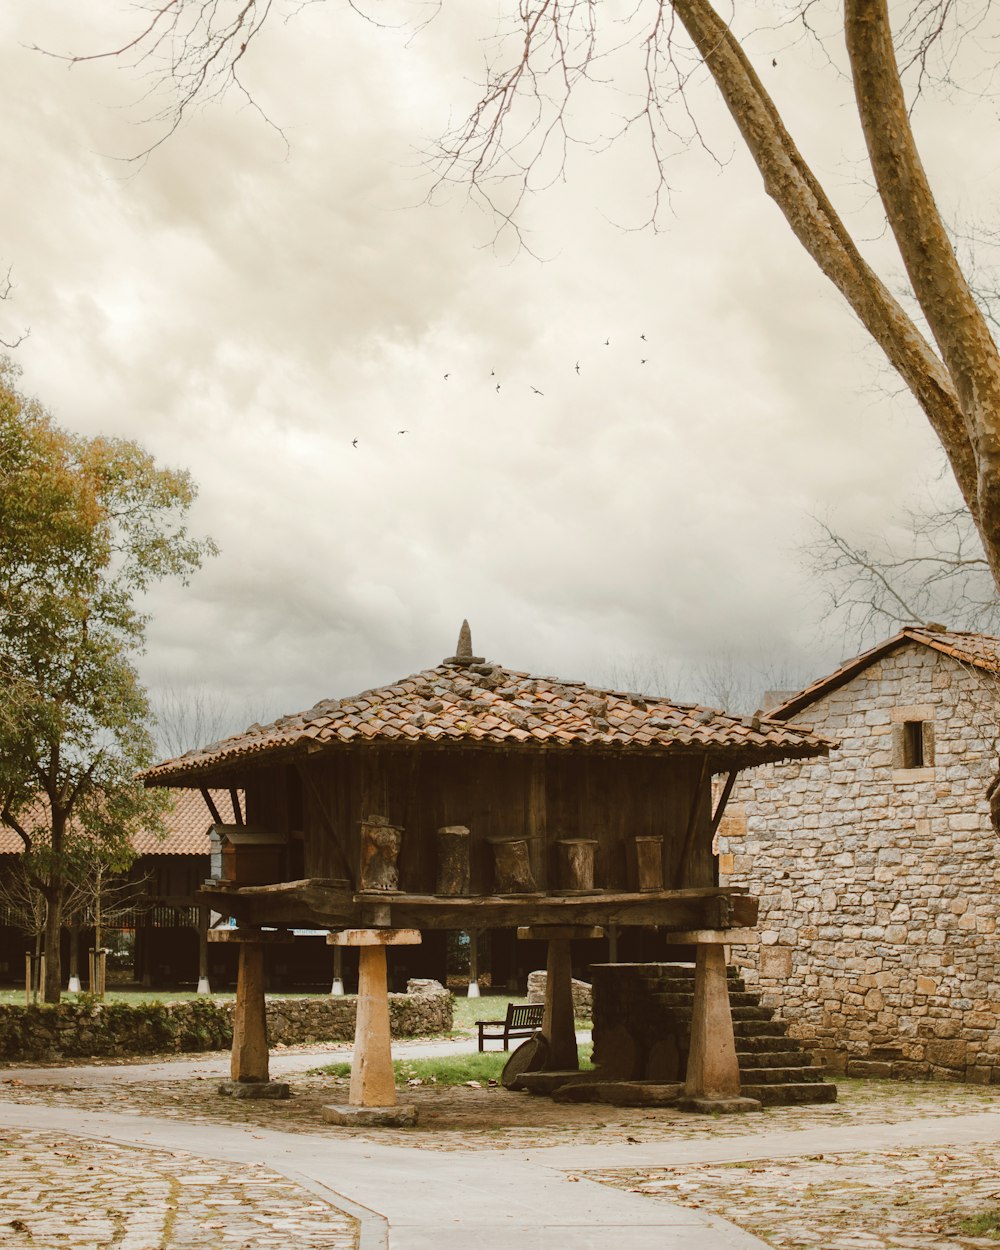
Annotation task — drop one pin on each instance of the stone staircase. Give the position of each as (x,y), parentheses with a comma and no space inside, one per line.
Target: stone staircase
(654,1002)
(774,1068)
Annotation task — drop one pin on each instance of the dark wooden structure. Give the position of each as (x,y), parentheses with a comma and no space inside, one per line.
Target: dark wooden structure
(471,797)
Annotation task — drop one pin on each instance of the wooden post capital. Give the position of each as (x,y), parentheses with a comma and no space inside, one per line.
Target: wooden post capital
(559,932)
(374,937)
(256,937)
(713,937)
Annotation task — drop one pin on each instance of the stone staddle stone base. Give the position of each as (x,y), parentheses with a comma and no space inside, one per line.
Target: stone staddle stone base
(380,1117)
(718,1106)
(255,1089)
(621,1093)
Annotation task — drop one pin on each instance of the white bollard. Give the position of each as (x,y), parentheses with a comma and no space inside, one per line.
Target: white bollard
(203,986)
(473,989)
(337,988)
(74,985)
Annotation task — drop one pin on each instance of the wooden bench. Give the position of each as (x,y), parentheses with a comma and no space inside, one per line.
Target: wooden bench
(521,1021)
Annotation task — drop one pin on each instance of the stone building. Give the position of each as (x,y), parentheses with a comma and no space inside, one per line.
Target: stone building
(877,868)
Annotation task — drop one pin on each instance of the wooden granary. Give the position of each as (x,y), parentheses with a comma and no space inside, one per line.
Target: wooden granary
(471,797)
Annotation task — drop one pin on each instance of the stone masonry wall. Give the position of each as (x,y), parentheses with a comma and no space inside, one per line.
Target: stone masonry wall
(73,1030)
(878,884)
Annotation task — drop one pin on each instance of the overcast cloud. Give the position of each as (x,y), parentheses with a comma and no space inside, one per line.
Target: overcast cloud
(247,312)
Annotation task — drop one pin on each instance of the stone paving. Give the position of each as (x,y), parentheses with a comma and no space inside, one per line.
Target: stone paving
(884,1200)
(905,1199)
(87,1195)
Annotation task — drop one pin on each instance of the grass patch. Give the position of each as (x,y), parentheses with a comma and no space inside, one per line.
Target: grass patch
(448,1069)
(986,1224)
(468,1010)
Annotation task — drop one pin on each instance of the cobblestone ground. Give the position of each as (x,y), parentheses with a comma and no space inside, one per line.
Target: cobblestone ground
(913,1198)
(491,1118)
(87,1195)
(917,1199)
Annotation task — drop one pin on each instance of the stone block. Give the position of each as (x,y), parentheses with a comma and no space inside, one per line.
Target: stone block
(869,1068)
(370,1117)
(271,1090)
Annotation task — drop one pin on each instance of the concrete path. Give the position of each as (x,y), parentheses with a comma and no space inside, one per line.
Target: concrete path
(423,1199)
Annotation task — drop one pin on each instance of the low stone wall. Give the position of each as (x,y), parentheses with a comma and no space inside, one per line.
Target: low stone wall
(425,1008)
(81,1030)
(583,999)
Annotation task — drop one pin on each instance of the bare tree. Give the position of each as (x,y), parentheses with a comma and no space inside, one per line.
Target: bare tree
(522,127)
(195,717)
(931,568)
(6,293)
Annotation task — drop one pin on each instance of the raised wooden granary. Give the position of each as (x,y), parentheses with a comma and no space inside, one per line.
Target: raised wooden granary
(471,797)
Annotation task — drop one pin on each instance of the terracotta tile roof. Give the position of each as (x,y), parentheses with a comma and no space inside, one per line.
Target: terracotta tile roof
(474,703)
(187,825)
(978,650)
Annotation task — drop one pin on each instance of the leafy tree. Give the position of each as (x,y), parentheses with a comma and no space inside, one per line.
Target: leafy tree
(86,526)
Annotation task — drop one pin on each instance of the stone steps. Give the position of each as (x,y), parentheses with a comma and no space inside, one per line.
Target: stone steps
(792,1094)
(774,1075)
(781,1059)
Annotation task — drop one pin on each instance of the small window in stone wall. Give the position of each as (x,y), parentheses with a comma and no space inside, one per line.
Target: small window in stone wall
(913,744)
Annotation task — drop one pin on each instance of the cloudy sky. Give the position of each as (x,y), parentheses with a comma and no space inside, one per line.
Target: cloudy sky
(248,303)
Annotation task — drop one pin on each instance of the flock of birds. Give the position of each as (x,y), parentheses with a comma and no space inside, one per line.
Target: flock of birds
(534,389)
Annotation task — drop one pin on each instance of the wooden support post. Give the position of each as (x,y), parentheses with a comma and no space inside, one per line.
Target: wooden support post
(337,988)
(473,964)
(250,1053)
(558,1022)
(713,1071)
(203,985)
(373,1087)
(249,1061)
(649,863)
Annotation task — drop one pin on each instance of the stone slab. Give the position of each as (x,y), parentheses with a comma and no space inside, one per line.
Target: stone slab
(255,1089)
(370,1117)
(622,1093)
(546,1082)
(718,1106)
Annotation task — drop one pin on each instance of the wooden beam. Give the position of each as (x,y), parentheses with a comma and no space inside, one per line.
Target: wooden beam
(329,904)
(213,811)
(727,790)
(693,817)
(374,937)
(234,795)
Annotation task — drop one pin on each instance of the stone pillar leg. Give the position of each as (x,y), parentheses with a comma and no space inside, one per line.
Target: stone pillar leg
(249,1062)
(250,1054)
(372,1098)
(713,1073)
(372,1082)
(558,1024)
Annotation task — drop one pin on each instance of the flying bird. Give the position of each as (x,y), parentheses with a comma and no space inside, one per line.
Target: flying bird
(577,366)
(538,392)
(498,388)
(607,342)
(643,337)
(354,442)
(642,362)
(402,431)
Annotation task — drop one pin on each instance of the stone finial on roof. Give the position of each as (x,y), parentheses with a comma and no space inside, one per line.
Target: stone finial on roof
(463,652)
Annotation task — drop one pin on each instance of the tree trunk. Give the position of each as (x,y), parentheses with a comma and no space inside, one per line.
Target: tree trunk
(53,935)
(955,319)
(790,182)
